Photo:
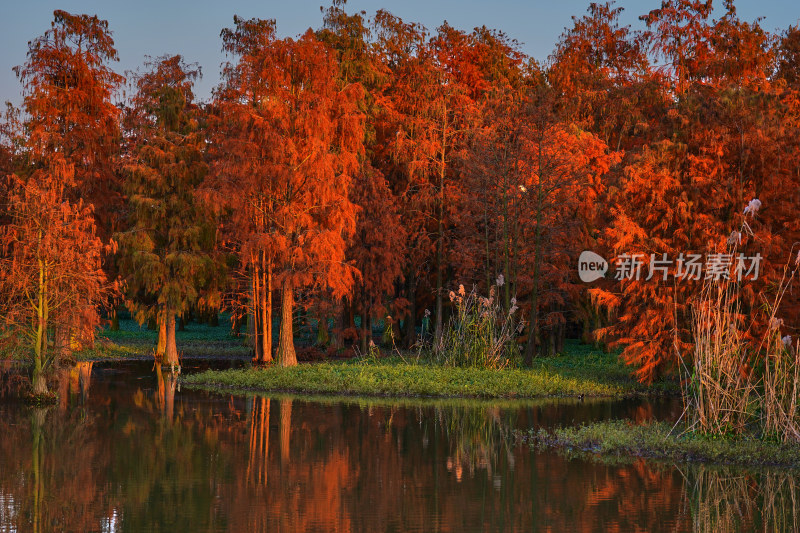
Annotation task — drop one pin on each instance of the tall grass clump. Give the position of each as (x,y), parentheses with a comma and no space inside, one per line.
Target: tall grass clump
(720,395)
(481,333)
(781,384)
(743,377)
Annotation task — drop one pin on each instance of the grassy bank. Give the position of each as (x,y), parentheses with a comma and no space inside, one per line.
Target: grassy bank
(132,341)
(621,439)
(578,373)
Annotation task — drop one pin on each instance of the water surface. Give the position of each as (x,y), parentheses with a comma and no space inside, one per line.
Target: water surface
(127,450)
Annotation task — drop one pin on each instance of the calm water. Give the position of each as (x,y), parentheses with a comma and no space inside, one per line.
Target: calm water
(127,451)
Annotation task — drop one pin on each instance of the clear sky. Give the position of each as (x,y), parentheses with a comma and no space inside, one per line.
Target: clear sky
(191,28)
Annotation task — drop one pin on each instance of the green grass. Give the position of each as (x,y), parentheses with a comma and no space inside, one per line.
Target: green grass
(135,341)
(565,375)
(620,439)
(109,350)
(583,361)
(130,331)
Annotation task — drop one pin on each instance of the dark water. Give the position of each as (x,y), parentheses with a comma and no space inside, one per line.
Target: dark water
(127,451)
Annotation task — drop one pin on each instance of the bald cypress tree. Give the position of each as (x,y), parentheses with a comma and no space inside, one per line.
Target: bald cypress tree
(166,252)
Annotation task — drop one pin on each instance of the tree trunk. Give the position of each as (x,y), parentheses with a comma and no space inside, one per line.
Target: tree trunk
(161,348)
(437,335)
(266,315)
(39,383)
(351,316)
(370,324)
(365,331)
(340,325)
(534,324)
(286,353)
(258,312)
(251,322)
(268,331)
(323,332)
(410,330)
(487,254)
(561,330)
(598,323)
(171,354)
(533,327)
(506,257)
(440,243)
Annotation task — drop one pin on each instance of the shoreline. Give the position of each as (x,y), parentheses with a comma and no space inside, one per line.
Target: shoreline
(621,440)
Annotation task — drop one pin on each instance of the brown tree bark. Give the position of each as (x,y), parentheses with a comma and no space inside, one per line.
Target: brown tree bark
(286,353)
(161,347)
(437,332)
(266,315)
(251,322)
(39,383)
(171,355)
(366,333)
(533,327)
(257,310)
(409,326)
(338,332)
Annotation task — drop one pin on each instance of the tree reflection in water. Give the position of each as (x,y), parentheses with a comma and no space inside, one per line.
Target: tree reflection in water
(137,454)
(74,383)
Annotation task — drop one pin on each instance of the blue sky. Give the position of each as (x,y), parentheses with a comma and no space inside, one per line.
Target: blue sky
(157,27)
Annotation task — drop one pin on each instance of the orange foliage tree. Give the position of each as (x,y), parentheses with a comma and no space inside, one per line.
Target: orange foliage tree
(431,102)
(722,142)
(67,92)
(378,244)
(50,267)
(399,47)
(241,180)
(310,138)
(67,89)
(486,233)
